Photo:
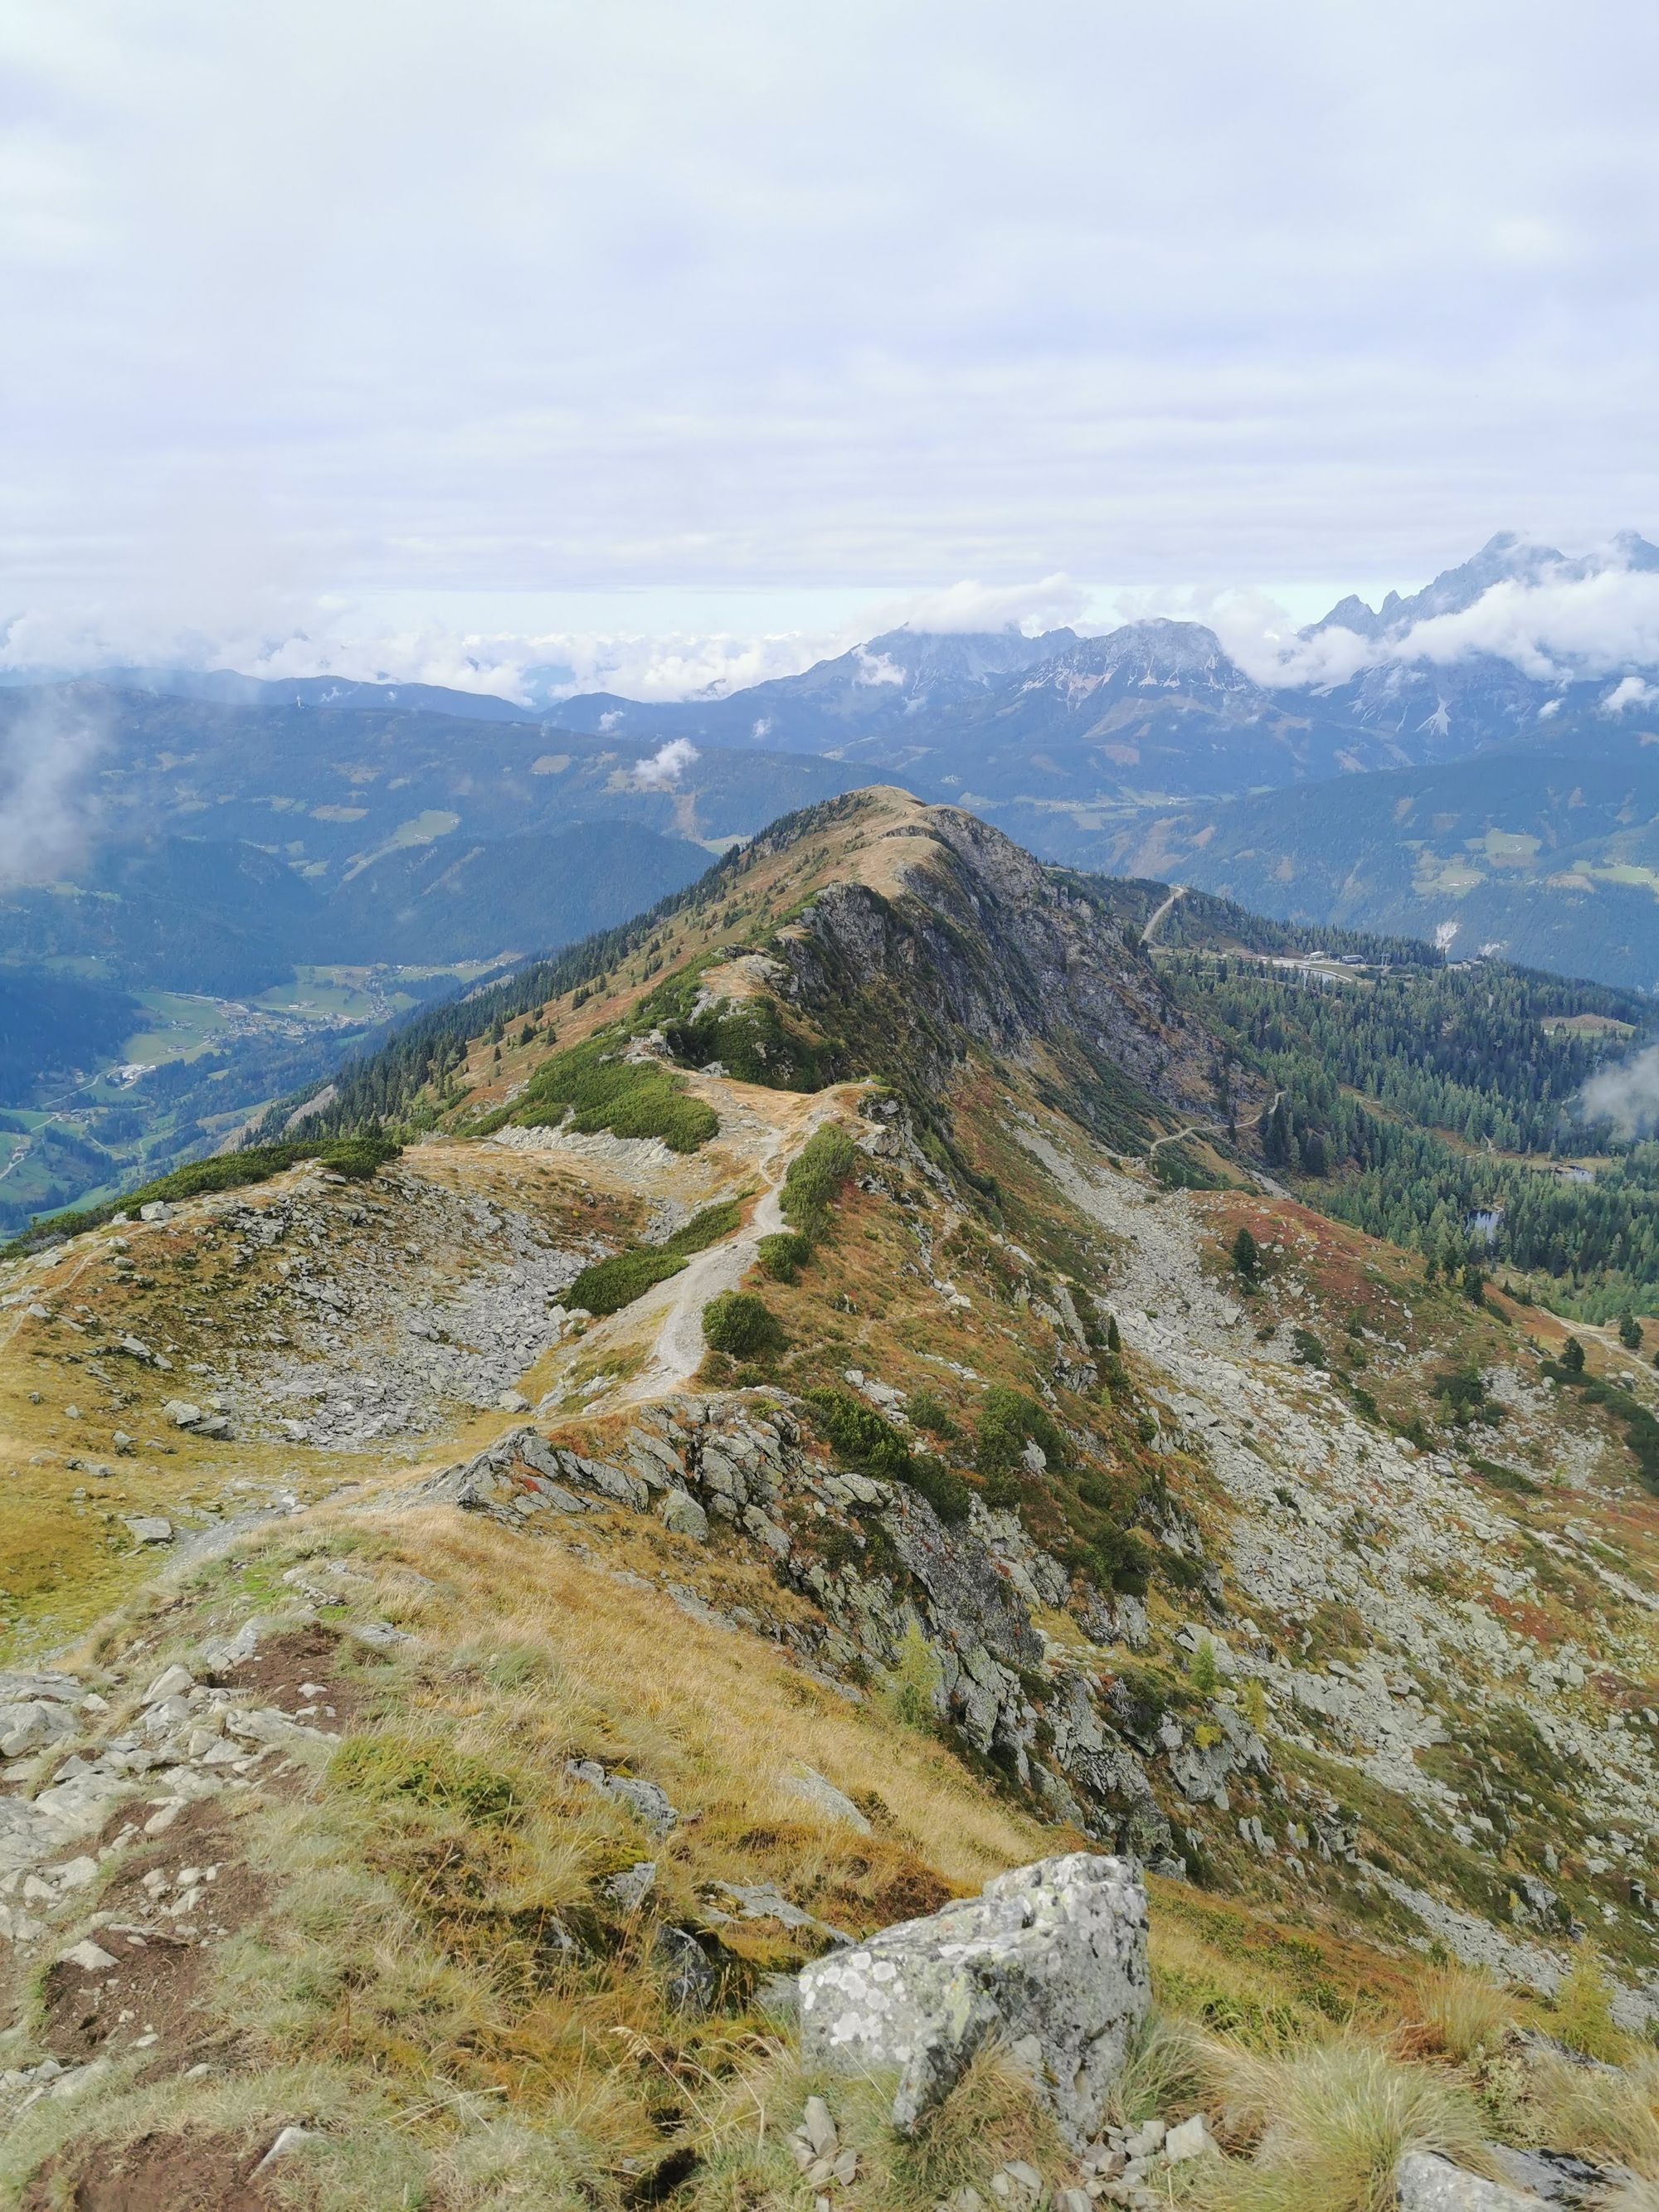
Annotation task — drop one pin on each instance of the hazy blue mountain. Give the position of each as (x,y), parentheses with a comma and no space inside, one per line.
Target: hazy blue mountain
(903,679)
(478,900)
(326,792)
(225,687)
(228,844)
(1546,849)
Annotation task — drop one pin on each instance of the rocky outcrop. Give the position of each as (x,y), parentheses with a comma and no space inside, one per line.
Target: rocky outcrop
(1050,1960)
(983,943)
(879,1563)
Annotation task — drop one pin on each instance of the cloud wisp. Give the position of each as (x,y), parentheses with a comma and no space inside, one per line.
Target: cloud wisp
(1626,1094)
(666,765)
(48,804)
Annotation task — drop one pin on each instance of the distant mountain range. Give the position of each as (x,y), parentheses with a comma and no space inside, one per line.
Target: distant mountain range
(377,809)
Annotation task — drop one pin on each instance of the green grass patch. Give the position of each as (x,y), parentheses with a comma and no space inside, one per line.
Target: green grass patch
(391,1769)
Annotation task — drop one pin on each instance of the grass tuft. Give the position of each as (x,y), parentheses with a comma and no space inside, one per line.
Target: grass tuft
(1331,2122)
(1461,2015)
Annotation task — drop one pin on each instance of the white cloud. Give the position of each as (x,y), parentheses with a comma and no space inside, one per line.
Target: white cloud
(696,297)
(667,766)
(48,749)
(1630,691)
(1050,603)
(1627,1095)
(878,668)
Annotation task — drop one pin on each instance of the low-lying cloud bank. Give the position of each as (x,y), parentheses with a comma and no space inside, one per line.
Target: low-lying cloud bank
(1580,619)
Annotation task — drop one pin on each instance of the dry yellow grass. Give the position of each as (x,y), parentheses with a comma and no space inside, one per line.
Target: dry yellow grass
(714,1717)
(1331,2122)
(1461,2013)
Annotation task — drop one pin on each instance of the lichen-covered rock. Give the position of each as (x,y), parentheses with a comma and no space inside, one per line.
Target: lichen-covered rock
(1051,1959)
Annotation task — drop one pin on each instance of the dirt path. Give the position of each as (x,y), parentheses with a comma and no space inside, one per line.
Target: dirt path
(1177,891)
(678,1348)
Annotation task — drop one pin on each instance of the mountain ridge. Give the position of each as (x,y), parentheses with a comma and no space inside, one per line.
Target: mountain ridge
(1048,1481)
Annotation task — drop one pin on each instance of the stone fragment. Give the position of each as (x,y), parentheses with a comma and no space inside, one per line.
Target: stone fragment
(689,1983)
(378,1635)
(172,1682)
(90,1957)
(807,1783)
(289,2140)
(1190,2140)
(31,1726)
(628,1890)
(1051,1959)
(149,1528)
(681,1515)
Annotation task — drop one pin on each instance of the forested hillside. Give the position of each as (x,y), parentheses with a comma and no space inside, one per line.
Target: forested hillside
(1437,1107)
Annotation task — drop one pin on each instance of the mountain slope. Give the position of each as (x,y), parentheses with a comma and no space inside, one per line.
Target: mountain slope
(1548,851)
(537,1707)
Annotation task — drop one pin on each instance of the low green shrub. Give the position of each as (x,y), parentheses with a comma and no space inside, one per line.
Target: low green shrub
(941,1485)
(706,1227)
(752,1042)
(357,1158)
(1122,1560)
(861,1436)
(741,1325)
(783,1257)
(929,1412)
(604,1092)
(816,1174)
(1008,1421)
(608,1285)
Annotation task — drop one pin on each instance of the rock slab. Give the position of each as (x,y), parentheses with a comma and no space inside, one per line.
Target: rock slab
(1050,1960)
(1425,2182)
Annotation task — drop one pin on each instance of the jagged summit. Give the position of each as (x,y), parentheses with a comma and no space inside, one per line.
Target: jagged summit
(1506,558)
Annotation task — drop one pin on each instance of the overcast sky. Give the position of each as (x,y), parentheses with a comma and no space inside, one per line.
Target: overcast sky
(713,320)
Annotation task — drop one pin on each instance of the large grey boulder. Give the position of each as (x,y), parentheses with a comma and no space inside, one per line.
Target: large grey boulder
(1425,2183)
(1050,1959)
